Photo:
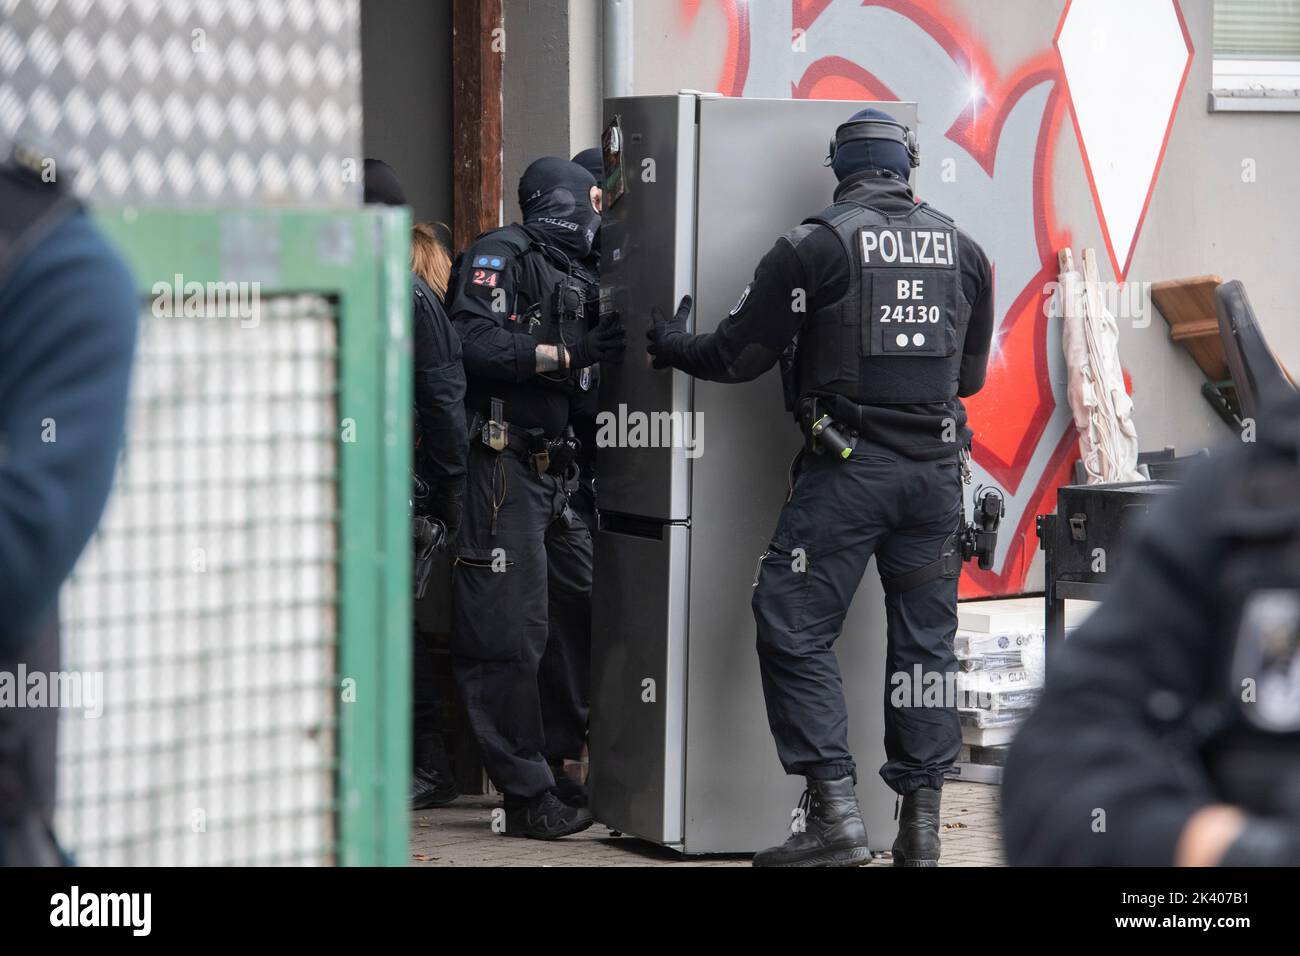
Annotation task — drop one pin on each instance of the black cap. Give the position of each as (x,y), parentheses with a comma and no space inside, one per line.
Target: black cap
(382,185)
(866,154)
(593,161)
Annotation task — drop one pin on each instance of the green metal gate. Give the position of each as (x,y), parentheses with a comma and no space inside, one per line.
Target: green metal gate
(246,601)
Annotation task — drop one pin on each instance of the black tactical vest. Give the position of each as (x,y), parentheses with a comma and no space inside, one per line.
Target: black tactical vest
(29,211)
(555,299)
(896,336)
(1252,719)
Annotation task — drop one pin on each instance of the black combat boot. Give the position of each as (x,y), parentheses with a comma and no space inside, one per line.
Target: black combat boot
(918,829)
(544,817)
(430,788)
(432,782)
(570,791)
(833,833)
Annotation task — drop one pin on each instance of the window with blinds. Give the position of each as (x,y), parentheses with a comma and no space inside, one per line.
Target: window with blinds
(1257,51)
(1257,29)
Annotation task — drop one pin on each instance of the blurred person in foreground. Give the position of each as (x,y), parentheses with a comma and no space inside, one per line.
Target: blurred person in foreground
(441,444)
(1169,731)
(68,313)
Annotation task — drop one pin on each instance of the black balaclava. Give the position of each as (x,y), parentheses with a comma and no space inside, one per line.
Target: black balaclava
(866,154)
(555,196)
(382,186)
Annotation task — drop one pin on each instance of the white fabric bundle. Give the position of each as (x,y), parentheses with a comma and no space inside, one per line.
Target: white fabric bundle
(1103,411)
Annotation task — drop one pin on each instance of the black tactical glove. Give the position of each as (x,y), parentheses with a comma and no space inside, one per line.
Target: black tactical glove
(666,335)
(604,343)
(446,507)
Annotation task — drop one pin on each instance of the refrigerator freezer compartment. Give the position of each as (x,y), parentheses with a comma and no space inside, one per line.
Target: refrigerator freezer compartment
(638,647)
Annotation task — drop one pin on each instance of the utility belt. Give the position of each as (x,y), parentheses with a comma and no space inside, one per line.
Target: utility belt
(833,424)
(977,539)
(823,435)
(545,455)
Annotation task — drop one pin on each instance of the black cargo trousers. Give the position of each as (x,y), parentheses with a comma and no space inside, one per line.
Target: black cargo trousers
(565,672)
(564,675)
(523,558)
(840,513)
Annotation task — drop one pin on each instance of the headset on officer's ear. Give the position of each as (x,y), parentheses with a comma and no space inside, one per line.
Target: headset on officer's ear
(856,130)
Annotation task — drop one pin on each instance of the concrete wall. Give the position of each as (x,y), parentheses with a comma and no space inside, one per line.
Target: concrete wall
(406,98)
(1001,153)
(551,87)
(585,74)
(535,89)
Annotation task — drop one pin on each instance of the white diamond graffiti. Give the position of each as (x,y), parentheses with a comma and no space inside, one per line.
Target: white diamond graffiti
(1123,116)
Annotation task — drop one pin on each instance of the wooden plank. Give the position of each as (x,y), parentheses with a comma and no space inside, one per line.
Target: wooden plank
(477,53)
(1188,307)
(1194,329)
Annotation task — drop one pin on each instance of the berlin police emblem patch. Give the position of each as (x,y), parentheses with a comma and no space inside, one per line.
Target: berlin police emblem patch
(486,271)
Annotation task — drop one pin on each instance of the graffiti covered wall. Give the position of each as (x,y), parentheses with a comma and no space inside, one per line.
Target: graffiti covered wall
(1033,141)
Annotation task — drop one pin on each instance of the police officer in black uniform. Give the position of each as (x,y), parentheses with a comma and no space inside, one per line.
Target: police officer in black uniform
(439,387)
(66,340)
(521,302)
(564,675)
(896,328)
(441,446)
(1169,729)
(441,450)
(587,403)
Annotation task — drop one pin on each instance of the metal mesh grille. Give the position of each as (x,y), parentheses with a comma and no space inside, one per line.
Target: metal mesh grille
(209,600)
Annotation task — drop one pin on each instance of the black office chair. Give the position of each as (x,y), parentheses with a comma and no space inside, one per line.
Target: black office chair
(1259,379)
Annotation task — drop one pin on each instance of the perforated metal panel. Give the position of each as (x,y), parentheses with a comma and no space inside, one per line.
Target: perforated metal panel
(208,601)
(189,101)
(246,600)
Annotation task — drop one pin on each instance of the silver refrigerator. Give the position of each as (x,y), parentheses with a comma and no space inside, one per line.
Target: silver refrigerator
(680,750)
